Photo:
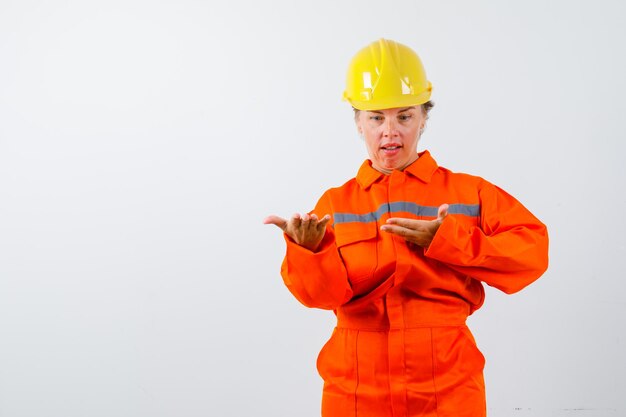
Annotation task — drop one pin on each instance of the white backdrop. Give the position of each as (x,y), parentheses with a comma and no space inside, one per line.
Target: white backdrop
(142,143)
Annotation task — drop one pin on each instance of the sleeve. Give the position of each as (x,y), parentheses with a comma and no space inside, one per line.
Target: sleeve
(317,279)
(508,250)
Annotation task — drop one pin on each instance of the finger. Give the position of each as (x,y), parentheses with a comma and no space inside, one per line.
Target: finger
(408,223)
(314,224)
(275,220)
(409,235)
(396,230)
(443,211)
(296,220)
(323,222)
(306,221)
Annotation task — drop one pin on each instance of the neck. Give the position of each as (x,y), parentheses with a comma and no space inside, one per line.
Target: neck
(389,171)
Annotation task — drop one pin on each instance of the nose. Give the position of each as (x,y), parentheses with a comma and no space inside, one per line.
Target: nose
(390,128)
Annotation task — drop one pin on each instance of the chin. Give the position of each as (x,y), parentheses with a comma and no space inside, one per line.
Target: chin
(392,166)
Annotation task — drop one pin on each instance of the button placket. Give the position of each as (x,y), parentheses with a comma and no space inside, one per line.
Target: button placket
(395,309)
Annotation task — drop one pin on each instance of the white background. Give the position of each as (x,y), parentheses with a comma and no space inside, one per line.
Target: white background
(143,142)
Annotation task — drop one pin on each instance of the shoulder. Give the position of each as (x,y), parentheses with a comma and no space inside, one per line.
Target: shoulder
(335,197)
(472,188)
(461,178)
(348,188)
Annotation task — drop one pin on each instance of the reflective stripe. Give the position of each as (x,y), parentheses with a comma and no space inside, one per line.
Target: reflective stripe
(472,210)
(406,207)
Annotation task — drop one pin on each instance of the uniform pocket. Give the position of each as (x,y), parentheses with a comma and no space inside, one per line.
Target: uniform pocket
(458,373)
(336,365)
(333,358)
(456,357)
(479,358)
(357,246)
(336,362)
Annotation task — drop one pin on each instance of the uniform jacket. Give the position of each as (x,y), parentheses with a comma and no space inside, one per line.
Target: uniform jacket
(401,347)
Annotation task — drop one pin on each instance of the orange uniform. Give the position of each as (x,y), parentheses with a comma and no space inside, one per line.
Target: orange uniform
(401,347)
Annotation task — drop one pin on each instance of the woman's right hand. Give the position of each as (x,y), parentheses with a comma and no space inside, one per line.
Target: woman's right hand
(306,230)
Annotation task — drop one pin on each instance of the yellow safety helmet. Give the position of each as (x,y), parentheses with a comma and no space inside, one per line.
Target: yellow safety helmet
(384,75)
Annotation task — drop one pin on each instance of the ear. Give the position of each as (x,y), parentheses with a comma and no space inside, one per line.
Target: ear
(359,129)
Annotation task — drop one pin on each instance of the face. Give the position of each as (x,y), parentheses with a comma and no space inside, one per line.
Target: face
(391,136)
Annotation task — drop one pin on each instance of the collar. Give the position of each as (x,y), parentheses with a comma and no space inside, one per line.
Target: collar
(423,168)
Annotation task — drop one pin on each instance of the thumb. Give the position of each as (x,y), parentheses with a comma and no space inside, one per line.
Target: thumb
(442,212)
(275,220)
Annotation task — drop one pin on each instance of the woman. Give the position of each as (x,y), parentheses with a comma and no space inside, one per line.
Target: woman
(400,253)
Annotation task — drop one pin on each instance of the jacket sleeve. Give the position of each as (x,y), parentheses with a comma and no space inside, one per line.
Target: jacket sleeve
(507,250)
(317,279)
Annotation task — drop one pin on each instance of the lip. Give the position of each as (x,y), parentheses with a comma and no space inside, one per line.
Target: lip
(391,146)
(391,149)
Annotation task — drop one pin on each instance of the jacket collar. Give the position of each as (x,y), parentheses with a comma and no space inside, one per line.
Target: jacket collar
(423,168)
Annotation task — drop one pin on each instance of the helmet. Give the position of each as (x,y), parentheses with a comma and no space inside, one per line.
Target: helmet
(384,75)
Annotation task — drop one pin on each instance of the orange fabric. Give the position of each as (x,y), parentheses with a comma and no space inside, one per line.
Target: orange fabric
(401,347)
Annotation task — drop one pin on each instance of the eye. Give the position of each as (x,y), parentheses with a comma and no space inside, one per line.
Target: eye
(404,117)
(376,117)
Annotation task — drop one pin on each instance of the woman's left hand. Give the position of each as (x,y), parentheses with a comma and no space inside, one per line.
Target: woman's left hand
(419,232)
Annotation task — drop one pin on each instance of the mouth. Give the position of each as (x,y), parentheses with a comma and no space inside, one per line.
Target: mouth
(391,147)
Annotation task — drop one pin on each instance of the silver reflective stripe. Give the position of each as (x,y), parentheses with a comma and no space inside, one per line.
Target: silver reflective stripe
(472,210)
